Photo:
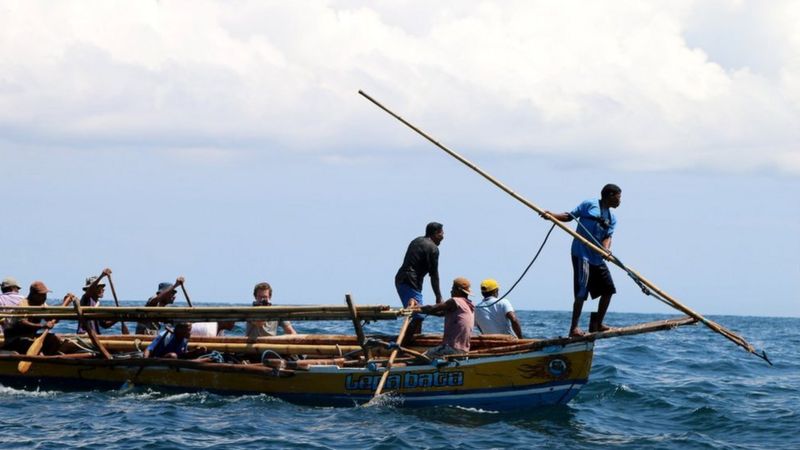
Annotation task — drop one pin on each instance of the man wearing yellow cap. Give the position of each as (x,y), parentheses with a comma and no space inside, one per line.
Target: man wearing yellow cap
(493,315)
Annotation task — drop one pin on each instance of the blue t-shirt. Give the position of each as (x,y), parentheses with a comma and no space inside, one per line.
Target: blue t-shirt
(167,343)
(599,223)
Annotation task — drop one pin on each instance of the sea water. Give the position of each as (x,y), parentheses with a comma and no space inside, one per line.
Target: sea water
(678,389)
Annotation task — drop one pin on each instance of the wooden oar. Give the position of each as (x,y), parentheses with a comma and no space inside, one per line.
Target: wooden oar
(392,356)
(186,295)
(90,331)
(37,344)
(735,338)
(116,302)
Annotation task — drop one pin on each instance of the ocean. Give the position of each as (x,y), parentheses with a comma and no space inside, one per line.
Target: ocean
(687,388)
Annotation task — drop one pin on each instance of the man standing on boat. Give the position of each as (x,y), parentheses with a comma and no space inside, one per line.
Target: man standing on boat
(422,258)
(94,291)
(258,328)
(596,223)
(494,315)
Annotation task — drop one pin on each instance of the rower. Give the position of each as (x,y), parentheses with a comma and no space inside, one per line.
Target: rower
(20,333)
(165,295)
(174,344)
(94,290)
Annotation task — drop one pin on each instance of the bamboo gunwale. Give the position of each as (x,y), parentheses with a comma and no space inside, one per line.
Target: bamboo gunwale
(206,313)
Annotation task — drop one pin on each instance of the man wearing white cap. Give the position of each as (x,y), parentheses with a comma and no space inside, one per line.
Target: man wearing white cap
(493,315)
(10,295)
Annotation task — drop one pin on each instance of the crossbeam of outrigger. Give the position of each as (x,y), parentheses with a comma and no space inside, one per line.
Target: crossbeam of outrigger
(642,281)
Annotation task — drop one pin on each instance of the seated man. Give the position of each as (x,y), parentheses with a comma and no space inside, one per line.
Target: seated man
(10,295)
(258,328)
(174,344)
(459,319)
(93,292)
(165,295)
(20,333)
(493,316)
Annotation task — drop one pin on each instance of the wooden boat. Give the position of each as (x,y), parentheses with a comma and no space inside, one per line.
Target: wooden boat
(499,373)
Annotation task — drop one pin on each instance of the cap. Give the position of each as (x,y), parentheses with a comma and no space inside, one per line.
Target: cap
(462,284)
(489,284)
(89,281)
(10,282)
(38,287)
(163,286)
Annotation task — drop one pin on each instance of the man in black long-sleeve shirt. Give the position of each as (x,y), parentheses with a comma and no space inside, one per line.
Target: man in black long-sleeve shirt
(422,258)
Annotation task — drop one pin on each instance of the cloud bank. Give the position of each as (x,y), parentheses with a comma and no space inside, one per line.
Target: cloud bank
(678,85)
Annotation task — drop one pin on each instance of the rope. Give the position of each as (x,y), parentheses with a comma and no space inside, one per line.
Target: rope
(633,276)
(523,272)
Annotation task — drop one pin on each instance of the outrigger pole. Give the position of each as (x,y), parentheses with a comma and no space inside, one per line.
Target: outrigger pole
(666,298)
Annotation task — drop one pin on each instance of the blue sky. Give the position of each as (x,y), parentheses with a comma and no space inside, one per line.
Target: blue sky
(226,142)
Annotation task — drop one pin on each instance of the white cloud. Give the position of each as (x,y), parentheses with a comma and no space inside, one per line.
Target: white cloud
(637,85)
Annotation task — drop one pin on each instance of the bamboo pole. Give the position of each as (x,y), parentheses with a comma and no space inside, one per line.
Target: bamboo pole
(202,314)
(357,325)
(730,335)
(392,356)
(283,349)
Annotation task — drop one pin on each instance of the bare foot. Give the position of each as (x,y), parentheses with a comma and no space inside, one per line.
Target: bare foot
(576,332)
(604,327)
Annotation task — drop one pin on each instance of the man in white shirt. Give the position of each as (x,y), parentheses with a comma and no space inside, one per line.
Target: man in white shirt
(10,295)
(495,316)
(258,328)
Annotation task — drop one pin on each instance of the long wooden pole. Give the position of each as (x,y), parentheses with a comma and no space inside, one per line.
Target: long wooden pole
(730,335)
(392,356)
(116,302)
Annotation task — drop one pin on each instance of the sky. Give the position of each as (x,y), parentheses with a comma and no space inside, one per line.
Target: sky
(226,142)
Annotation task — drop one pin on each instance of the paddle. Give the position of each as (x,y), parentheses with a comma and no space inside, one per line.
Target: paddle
(116,302)
(392,356)
(186,295)
(37,344)
(661,295)
(90,331)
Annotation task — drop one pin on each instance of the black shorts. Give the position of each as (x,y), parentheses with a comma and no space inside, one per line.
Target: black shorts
(591,279)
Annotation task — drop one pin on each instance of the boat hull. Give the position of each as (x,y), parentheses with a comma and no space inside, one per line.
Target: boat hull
(549,376)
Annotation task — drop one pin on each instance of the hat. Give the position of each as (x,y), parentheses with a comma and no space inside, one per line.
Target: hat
(10,282)
(89,282)
(163,286)
(38,287)
(489,284)
(462,284)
